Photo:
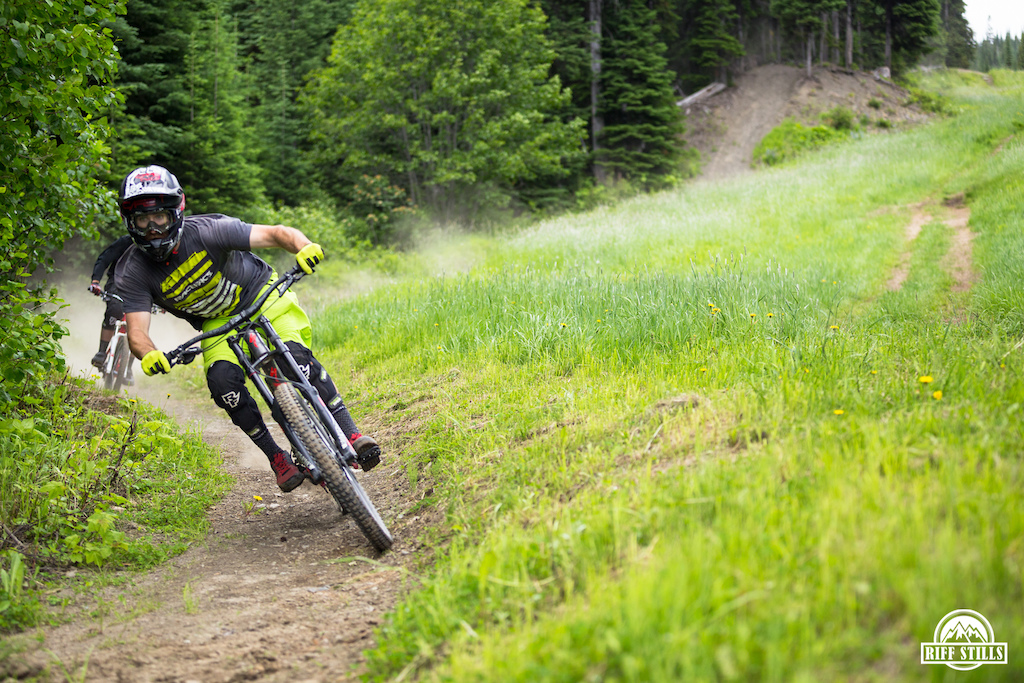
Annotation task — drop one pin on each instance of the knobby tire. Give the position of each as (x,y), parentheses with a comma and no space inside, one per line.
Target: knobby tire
(108,372)
(122,362)
(341,483)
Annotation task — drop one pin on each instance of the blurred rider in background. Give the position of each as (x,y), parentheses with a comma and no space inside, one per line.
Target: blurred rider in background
(201,268)
(106,261)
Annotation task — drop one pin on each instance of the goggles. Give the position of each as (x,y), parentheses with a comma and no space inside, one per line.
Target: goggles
(155,221)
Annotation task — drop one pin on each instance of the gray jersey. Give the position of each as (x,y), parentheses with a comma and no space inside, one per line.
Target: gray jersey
(211,274)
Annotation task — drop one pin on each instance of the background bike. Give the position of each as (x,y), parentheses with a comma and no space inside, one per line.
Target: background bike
(116,369)
(318,444)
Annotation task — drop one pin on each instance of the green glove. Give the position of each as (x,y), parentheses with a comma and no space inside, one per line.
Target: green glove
(155,361)
(309,257)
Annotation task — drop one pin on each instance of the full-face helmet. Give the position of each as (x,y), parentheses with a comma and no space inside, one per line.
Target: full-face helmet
(152,208)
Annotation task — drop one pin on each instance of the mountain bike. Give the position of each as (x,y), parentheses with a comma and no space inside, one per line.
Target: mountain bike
(116,369)
(319,447)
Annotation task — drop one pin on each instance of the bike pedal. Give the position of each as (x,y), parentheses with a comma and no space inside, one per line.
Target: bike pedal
(369,459)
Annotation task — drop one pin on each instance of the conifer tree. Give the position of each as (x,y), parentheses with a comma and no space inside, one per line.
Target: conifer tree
(905,25)
(218,169)
(805,17)
(713,42)
(153,39)
(281,43)
(642,122)
(960,43)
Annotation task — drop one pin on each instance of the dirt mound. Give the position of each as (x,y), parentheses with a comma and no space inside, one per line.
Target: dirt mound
(726,127)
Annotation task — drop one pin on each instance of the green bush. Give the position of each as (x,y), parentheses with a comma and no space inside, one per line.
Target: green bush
(74,478)
(840,118)
(790,139)
(931,102)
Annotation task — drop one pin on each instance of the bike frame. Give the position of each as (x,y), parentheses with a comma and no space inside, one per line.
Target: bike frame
(261,357)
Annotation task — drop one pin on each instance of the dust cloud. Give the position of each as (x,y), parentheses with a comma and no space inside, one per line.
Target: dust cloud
(191,407)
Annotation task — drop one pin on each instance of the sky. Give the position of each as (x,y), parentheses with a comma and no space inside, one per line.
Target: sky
(1007,15)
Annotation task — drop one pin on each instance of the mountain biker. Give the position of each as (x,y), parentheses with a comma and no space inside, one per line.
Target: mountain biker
(106,262)
(201,268)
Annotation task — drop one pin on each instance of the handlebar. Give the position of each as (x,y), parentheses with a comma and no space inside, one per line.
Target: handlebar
(187,352)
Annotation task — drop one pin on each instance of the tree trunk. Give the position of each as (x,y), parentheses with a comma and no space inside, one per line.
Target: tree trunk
(823,50)
(888,36)
(835,37)
(597,121)
(810,53)
(849,34)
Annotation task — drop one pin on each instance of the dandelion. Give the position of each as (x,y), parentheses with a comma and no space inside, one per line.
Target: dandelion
(771,315)
(753,315)
(807,371)
(703,369)
(874,372)
(937,395)
(833,327)
(598,320)
(925,379)
(838,411)
(564,325)
(715,310)
(257,498)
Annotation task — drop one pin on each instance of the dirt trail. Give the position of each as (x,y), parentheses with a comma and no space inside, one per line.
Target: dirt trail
(746,113)
(727,127)
(291,593)
(959,259)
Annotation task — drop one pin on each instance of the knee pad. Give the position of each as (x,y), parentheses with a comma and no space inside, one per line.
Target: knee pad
(309,365)
(227,386)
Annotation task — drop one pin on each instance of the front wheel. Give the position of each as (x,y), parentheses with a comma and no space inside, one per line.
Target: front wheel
(107,369)
(341,482)
(122,363)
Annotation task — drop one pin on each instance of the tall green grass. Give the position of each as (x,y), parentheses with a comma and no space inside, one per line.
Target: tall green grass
(694,437)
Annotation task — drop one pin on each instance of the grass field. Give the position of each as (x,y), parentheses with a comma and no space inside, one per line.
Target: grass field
(696,437)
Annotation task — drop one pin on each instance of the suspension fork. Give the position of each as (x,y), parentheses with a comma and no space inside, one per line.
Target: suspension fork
(269,358)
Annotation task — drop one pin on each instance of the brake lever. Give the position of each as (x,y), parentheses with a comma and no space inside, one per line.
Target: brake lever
(185,356)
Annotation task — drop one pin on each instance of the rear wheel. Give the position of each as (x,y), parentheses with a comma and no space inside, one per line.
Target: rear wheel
(340,480)
(122,362)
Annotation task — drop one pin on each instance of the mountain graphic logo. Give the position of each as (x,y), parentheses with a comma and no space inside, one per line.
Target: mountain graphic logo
(963,640)
(963,633)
